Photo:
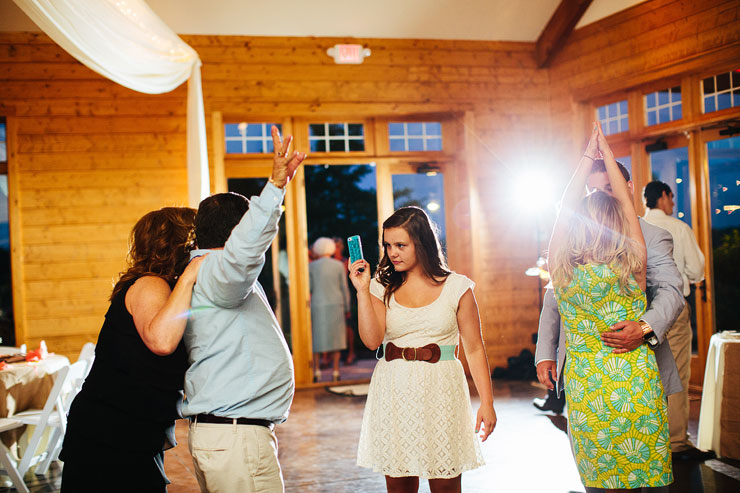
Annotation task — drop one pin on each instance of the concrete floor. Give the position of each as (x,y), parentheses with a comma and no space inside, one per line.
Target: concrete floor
(528,452)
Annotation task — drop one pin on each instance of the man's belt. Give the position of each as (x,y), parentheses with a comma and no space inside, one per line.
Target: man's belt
(431,353)
(210,418)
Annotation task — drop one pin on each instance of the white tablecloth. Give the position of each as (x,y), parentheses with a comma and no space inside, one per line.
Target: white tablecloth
(711,397)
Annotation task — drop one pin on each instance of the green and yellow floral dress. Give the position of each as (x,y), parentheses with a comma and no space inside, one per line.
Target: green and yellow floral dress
(616,405)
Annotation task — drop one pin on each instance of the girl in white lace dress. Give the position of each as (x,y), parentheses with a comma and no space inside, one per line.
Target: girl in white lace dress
(418,420)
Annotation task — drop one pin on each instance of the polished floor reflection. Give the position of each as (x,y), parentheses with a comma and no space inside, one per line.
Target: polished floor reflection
(528,452)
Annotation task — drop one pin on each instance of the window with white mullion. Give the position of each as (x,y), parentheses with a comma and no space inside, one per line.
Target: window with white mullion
(426,136)
(721,91)
(249,138)
(663,106)
(336,137)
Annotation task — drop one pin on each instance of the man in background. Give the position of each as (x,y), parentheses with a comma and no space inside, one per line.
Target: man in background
(689,260)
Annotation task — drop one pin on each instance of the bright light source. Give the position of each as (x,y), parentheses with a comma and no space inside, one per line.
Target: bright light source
(433,206)
(431,173)
(679,180)
(532,272)
(534,191)
(680,214)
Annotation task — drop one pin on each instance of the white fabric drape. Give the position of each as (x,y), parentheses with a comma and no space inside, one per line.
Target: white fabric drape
(710,429)
(125,41)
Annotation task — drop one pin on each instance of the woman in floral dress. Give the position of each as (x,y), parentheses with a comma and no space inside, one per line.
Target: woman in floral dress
(616,404)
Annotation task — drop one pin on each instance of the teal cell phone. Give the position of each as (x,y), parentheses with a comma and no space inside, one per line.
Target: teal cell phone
(355,249)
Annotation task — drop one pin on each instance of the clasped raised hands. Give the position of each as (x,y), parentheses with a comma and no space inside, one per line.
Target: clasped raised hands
(284,165)
(597,145)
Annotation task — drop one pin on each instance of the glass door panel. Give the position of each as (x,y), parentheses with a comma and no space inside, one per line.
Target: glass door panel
(341,201)
(274,277)
(425,190)
(723,157)
(671,166)
(627,162)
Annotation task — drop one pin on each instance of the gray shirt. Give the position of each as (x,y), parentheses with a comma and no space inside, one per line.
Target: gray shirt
(240,364)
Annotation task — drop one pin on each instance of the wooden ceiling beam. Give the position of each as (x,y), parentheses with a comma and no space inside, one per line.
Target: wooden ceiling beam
(558,28)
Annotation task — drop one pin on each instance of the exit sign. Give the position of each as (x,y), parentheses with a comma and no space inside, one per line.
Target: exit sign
(348,54)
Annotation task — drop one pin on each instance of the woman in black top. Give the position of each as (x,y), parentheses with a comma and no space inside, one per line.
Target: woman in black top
(124,417)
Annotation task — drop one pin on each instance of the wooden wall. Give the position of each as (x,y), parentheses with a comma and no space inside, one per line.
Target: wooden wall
(652,41)
(93,156)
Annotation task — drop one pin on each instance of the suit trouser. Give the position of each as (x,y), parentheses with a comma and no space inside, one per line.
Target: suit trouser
(231,458)
(679,338)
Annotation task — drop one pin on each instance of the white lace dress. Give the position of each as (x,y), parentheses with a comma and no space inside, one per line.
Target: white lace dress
(418,420)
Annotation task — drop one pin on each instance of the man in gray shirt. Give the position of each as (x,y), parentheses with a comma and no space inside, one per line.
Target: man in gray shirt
(240,381)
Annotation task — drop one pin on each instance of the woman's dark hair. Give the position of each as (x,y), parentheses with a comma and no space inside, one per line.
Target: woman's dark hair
(217,216)
(428,250)
(159,245)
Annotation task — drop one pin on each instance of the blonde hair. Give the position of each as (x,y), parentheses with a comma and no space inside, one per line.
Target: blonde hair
(598,233)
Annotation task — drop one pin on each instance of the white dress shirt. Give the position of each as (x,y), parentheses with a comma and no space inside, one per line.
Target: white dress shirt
(686,253)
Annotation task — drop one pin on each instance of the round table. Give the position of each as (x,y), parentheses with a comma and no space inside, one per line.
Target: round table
(719,418)
(26,386)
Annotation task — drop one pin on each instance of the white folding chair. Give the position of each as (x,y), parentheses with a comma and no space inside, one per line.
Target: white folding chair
(87,353)
(7,461)
(52,415)
(70,389)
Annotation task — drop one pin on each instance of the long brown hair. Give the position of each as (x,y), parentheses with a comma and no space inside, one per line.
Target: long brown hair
(426,244)
(597,233)
(159,245)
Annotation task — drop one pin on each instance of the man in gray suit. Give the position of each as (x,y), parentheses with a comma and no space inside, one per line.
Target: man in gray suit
(665,302)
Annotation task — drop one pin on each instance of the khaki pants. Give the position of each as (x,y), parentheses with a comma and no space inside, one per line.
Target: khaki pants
(679,337)
(233,458)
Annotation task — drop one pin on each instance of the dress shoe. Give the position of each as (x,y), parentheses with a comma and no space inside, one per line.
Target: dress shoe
(547,405)
(693,454)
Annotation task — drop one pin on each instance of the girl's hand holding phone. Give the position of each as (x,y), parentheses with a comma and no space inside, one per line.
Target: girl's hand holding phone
(359,274)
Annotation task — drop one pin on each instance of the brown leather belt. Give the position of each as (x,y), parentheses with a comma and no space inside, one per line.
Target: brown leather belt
(429,353)
(210,418)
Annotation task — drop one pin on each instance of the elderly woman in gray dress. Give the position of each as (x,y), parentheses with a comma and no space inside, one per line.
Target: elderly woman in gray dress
(329,304)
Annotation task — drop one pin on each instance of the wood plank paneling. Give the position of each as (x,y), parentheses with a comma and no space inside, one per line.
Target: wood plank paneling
(96,156)
(93,156)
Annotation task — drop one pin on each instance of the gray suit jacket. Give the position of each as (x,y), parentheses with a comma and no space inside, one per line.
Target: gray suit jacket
(665,302)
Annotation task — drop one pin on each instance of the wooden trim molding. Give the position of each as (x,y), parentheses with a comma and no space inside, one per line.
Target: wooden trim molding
(16,233)
(219,169)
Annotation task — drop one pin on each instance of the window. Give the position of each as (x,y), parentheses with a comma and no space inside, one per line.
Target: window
(336,137)
(663,106)
(3,143)
(415,136)
(424,190)
(7,325)
(721,91)
(627,163)
(249,138)
(671,166)
(613,117)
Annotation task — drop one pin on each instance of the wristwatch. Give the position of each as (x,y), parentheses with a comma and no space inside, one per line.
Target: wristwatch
(648,335)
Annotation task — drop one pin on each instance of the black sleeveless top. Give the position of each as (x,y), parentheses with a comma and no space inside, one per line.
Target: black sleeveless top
(129,387)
